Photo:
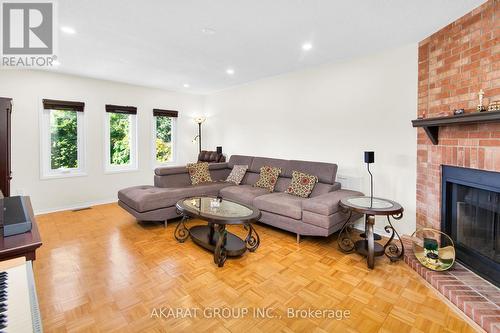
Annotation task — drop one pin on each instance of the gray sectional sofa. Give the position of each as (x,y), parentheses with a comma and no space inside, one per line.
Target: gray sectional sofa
(318,215)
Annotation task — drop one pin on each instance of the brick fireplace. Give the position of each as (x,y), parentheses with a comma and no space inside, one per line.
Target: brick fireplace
(454,64)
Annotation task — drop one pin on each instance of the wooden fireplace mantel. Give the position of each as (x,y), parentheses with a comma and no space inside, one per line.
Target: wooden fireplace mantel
(431,125)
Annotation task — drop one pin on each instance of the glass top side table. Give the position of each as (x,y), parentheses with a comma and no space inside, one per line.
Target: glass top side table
(218,213)
(368,246)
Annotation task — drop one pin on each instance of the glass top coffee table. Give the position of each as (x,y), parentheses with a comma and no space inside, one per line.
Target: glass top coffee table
(368,246)
(218,213)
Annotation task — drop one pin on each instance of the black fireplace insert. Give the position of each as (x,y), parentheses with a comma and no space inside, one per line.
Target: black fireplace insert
(470,214)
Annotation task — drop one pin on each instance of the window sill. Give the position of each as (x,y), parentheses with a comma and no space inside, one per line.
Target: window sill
(63,175)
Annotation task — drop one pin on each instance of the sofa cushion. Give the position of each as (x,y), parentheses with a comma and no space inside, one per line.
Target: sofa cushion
(280,203)
(328,203)
(302,184)
(268,177)
(259,162)
(237,174)
(198,172)
(242,193)
(322,188)
(250,178)
(239,160)
(326,172)
(175,170)
(147,198)
(207,188)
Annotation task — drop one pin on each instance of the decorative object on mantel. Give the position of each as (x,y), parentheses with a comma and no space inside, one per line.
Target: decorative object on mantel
(494,106)
(433,249)
(431,125)
(480,106)
(422,116)
(457,112)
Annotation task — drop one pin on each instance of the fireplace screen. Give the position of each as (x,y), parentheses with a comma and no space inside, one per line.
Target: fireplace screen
(478,221)
(471,217)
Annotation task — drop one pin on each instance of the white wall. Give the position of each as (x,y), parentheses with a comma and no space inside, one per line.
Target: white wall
(331,113)
(28,88)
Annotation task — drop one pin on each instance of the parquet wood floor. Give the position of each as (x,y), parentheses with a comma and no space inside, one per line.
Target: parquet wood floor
(99,270)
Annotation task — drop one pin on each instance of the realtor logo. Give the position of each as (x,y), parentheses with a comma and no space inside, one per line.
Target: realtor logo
(27,29)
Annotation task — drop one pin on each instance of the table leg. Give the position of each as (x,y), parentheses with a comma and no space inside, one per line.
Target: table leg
(369,222)
(220,254)
(344,239)
(181,233)
(391,249)
(211,234)
(252,240)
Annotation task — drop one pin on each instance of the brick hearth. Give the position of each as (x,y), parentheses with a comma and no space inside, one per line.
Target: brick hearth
(476,297)
(454,64)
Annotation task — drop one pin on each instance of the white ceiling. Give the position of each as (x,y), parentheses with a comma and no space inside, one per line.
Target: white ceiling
(160,43)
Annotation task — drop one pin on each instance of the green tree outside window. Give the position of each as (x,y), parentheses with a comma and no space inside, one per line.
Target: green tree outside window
(119,132)
(163,139)
(63,140)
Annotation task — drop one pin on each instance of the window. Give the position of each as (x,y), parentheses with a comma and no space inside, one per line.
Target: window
(62,142)
(121,138)
(164,136)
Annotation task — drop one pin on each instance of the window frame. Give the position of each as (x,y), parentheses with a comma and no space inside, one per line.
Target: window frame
(133,165)
(46,171)
(154,132)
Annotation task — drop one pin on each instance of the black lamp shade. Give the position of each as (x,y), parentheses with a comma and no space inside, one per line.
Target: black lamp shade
(369,156)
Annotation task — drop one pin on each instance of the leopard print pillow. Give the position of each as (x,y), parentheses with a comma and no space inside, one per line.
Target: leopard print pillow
(302,184)
(237,174)
(268,178)
(198,172)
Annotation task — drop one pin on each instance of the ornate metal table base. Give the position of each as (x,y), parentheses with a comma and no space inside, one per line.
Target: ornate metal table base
(214,237)
(369,247)
(181,233)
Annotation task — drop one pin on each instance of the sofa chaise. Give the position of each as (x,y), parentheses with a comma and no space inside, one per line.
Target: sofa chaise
(318,215)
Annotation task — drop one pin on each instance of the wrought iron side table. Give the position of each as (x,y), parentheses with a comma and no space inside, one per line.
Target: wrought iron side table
(368,246)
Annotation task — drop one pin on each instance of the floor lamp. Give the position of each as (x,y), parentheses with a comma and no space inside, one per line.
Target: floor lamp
(369,159)
(199,121)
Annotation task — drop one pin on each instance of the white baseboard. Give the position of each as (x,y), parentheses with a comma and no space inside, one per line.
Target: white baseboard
(75,206)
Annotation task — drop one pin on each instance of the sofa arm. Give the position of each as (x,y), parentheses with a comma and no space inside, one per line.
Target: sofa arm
(328,203)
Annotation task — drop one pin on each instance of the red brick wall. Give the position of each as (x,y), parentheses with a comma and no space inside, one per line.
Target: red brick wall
(453,65)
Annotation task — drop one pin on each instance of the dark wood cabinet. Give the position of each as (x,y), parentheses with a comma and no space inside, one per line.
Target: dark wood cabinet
(5,171)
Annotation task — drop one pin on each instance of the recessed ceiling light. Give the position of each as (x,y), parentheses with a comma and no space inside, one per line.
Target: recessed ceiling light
(68,30)
(208,31)
(230,71)
(306,46)
(186,85)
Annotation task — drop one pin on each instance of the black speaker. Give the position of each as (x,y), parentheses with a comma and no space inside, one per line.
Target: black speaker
(219,150)
(369,156)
